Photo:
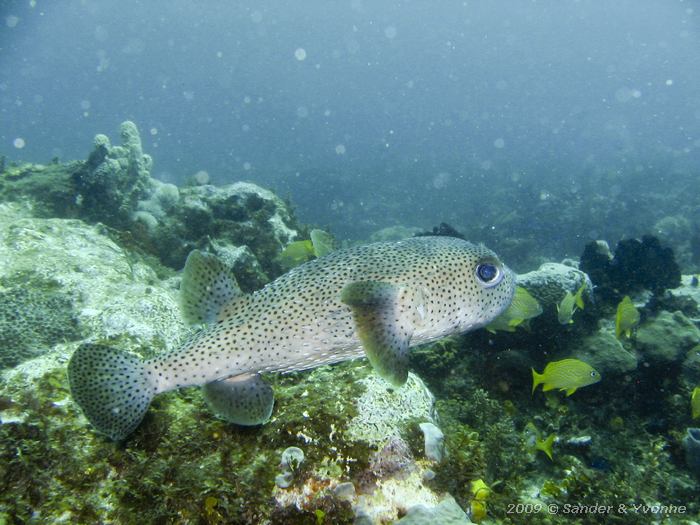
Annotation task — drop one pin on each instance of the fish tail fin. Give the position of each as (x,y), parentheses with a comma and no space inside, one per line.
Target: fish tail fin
(579,296)
(112,387)
(536,379)
(546,445)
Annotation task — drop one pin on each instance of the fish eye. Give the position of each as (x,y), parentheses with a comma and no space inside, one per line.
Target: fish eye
(489,274)
(594,373)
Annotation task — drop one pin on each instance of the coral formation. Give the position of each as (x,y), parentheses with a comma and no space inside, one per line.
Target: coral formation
(114,178)
(447,512)
(81,477)
(550,282)
(383,411)
(34,317)
(114,187)
(636,265)
(604,352)
(236,215)
(666,338)
(372,453)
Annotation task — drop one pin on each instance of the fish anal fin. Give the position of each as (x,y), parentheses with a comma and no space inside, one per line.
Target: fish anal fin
(569,391)
(245,399)
(385,318)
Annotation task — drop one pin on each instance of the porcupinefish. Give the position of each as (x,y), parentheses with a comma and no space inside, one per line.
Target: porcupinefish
(377,300)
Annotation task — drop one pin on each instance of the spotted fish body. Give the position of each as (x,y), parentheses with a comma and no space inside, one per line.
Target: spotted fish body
(378,299)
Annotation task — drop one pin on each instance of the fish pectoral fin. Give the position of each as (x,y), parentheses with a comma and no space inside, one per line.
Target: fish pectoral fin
(547,387)
(570,391)
(207,286)
(245,399)
(385,317)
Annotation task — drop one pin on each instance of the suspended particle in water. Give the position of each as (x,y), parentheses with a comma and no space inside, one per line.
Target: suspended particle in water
(390,32)
(669,82)
(340,149)
(302,112)
(19,143)
(499,143)
(441,180)
(247,166)
(300,54)
(256,17)
(154,131)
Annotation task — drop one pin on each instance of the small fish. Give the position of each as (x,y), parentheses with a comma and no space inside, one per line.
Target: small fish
(480,490)
(626,318)
(296,253)
(477,511)
(567,374)
(545,445)
(480,493)
(569,304)
(376,300)
(323,242)
(523,308)
(534,441)
(299,252)
(695,402)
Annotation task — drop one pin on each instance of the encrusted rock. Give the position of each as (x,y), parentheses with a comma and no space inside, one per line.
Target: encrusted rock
(550,282)
(383,410)
(667,337)
(604,352)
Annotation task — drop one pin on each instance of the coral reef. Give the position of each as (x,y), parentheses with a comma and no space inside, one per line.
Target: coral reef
(234,216)
(32,319)
(666,338)
(550,282)
(447,512)
(604,352)
(89,250)
(114,178)
(636,265)
(247,224)
(181,447)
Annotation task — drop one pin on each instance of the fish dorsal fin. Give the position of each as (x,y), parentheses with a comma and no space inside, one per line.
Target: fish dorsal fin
(385,317)
(207,286)
(245,399)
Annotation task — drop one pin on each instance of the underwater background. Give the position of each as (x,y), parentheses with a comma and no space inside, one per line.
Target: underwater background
(564,135)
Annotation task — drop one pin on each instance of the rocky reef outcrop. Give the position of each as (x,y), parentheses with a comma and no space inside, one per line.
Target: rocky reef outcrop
(246,224)
(363,448)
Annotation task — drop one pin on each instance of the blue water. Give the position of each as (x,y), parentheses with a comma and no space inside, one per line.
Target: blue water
(370,114)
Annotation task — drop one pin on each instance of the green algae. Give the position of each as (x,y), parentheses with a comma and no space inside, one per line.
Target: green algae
(179,459)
